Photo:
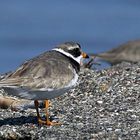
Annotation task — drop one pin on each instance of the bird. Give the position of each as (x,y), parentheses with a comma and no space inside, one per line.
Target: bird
(129,51)
(46,76)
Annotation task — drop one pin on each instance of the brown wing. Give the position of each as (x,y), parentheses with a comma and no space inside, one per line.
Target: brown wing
(46,71)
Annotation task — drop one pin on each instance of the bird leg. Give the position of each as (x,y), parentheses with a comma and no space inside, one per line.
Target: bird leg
(48,122)
(40,121)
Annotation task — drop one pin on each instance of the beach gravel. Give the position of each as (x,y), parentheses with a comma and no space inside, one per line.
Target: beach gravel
(105,105)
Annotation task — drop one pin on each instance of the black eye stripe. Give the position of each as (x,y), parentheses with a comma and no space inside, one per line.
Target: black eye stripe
(75,52)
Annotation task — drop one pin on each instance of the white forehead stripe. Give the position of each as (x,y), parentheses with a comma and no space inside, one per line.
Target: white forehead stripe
(77,59)
(71,48)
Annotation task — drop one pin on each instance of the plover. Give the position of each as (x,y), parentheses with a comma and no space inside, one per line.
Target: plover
(46,76)
(129,51)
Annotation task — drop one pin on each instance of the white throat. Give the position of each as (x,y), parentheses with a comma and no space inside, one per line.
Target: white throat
(77,59)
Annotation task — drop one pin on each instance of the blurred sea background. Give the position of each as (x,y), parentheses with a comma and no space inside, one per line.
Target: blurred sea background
(28,28)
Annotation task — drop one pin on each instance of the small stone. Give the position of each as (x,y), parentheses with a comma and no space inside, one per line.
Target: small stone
(99,102)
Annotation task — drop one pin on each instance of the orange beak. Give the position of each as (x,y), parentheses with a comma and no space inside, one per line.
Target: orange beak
(84,55)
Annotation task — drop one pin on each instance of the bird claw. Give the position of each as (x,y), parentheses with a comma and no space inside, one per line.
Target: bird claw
(48,122)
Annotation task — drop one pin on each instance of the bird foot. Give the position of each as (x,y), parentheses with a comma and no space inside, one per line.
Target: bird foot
(48,122)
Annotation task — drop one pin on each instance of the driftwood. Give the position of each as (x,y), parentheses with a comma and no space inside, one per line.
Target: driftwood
(18,104)
(90,63)
(129,51)
(13,103)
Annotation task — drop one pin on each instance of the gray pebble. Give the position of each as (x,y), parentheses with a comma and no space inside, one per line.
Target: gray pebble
(104,105)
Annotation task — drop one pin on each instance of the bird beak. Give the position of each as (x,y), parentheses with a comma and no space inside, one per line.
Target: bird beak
(84,55)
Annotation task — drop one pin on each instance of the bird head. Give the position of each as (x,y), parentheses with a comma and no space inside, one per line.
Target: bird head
(72,50)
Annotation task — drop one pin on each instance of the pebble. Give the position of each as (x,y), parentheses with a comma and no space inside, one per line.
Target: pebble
(104,105)
(99,102)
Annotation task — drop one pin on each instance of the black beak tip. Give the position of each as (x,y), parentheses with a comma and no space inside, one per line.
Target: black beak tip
(87,56)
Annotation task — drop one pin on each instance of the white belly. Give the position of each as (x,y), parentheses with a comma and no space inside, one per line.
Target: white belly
(35,94)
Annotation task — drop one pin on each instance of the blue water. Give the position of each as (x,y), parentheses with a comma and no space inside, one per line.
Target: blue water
(28,28)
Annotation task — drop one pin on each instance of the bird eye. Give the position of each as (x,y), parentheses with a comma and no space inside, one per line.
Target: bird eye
(76,50)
